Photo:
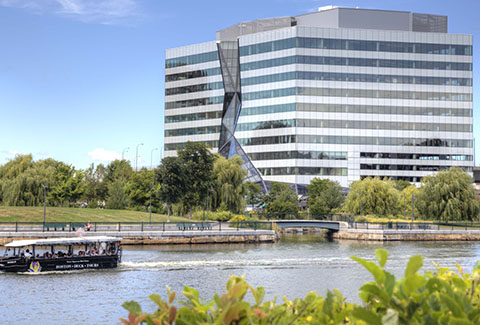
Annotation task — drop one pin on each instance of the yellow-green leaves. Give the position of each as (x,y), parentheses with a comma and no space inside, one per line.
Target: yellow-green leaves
(414,264)
(440,297)
(382,257)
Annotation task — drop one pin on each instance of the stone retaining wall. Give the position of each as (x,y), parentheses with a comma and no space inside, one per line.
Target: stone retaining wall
(408,235)
(158,237)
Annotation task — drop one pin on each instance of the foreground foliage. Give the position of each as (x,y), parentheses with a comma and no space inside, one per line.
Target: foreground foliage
(440,297)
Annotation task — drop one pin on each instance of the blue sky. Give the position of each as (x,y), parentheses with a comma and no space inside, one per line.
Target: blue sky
(81,80)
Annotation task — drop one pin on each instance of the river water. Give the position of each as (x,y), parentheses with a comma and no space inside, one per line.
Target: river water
(292,267)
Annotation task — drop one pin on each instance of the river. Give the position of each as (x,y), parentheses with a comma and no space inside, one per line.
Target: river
(292,267)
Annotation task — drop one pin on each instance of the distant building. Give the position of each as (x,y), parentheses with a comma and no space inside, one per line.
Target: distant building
(340,93)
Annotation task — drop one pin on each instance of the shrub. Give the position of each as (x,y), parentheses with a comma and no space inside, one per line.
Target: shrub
(360,219)
(441,297)
(213,215)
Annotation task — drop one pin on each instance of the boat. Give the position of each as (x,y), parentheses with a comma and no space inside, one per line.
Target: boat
(61,254)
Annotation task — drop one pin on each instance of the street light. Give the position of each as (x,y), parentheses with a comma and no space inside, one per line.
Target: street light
(44,202)
(413,198)
(124,150)
(151,157)
(150,207)
(136,156)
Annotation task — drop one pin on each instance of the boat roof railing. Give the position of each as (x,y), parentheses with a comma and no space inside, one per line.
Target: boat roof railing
(62,241)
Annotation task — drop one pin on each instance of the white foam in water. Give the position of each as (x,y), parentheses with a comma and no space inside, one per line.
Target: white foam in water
(230,263)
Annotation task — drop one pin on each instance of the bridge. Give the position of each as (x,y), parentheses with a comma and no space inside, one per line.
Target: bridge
(323,224)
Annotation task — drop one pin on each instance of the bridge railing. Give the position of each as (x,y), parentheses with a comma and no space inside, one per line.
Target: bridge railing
(301,215)
(194,225)
(394,225)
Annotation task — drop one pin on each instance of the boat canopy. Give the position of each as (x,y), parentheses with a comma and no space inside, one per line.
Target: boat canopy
(62,241)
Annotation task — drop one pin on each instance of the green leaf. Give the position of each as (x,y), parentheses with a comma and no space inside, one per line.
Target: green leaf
(367,316)
(389,283)
(451,305)
(414,264)
(133,307)
(374,290)
(382,256)
(390,318)
(158,301)
(373,268)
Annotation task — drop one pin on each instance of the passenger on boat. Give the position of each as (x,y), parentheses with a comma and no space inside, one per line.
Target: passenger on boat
(28,254)
(7,252)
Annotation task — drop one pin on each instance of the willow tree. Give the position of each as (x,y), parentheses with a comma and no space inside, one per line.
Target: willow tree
(230,188)
(372,196)
(448,196)
(405,201)
(22,180)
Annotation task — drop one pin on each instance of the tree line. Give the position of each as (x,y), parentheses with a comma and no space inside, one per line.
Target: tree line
(196,180)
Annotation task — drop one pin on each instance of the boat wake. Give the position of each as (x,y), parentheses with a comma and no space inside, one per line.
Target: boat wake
(277,263)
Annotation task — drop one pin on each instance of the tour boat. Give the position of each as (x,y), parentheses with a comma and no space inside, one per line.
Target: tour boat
(61,254)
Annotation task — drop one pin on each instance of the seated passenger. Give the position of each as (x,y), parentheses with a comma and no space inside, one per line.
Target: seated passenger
(28,254)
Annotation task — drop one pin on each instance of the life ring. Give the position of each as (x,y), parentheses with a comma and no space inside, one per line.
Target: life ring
(35,267)
(80,232)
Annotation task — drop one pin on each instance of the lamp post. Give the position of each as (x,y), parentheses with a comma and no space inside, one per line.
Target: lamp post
(413,198)
(136,156)
(151,157)
(150,207)
(124,150)
(44,202)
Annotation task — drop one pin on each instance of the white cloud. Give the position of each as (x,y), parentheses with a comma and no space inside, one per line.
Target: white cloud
(101,154)
(107,12)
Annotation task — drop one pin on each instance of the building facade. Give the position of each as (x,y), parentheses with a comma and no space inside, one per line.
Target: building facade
(340,93)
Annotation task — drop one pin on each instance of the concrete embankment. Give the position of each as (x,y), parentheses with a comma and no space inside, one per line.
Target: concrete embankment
(407,234)
(158,237)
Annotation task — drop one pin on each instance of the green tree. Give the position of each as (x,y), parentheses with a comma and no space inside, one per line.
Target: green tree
(400,185)
(448,196)
(22,180)
(171,175)
(198,163)
(117,198)
(138,189)
(67,184)
(101,183)
(254,193)
(405,201)
(376,196)
(281,200)
(229,176)
(324,196)
(118,169)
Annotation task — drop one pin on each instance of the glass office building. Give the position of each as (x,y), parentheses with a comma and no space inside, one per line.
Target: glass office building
(340,93)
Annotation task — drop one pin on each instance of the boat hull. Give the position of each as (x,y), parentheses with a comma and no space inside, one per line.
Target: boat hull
(35,265)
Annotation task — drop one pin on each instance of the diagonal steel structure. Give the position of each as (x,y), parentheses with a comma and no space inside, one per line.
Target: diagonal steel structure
(228,53)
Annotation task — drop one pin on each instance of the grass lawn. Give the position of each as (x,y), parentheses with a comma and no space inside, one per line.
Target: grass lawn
(35,214)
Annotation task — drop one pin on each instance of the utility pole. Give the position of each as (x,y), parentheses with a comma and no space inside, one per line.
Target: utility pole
(124,150)
(136,156)
(44,202)
(150,207)
(413,198)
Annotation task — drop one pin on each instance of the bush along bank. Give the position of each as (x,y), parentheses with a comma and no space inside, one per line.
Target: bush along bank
(440,297)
